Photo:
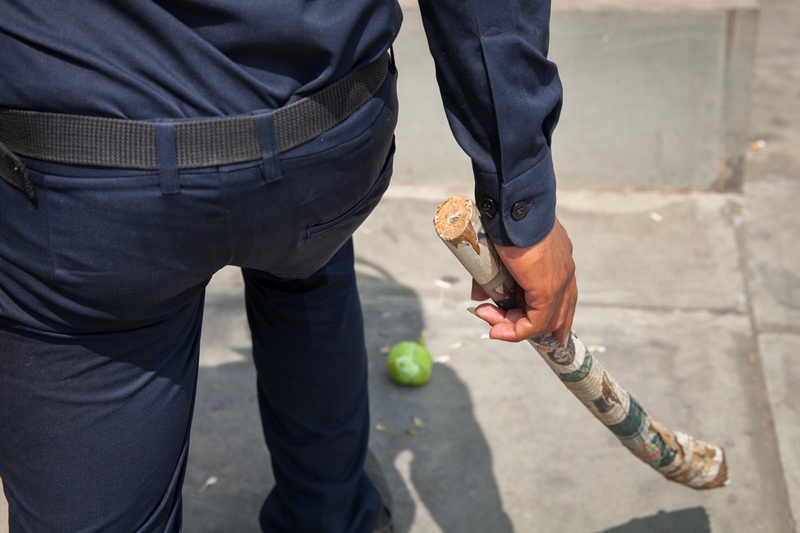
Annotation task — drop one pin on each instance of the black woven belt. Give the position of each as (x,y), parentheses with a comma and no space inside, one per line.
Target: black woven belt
(119,143)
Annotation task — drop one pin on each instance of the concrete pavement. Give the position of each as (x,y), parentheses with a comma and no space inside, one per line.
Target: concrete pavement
(690,298)
(692,301)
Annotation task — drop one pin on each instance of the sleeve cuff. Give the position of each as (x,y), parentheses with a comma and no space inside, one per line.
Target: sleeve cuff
(522,211)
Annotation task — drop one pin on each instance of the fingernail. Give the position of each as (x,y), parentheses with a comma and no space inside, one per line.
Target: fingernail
(472,310)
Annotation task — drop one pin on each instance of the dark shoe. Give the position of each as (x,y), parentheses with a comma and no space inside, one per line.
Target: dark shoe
(384,522)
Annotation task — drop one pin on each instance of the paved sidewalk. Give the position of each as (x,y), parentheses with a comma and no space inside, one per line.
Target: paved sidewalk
(692,301)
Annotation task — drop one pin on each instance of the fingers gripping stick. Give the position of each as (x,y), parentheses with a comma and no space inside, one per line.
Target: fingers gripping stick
(678,456)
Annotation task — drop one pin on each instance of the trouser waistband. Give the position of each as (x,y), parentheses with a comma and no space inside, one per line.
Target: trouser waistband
(119,143)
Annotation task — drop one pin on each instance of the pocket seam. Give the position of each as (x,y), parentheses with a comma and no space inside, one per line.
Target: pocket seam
(381,182)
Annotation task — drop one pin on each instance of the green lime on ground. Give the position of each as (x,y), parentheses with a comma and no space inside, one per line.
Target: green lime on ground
(410,363)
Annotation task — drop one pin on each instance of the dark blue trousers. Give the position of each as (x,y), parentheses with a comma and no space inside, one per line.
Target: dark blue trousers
(102,282)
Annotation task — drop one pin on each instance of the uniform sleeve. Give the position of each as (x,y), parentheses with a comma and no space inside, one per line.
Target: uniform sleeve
(502,98)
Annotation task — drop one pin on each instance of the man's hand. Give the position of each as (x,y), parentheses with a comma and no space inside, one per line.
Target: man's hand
(545,273)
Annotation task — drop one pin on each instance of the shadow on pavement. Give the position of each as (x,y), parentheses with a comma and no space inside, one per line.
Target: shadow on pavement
(441,476)
(226,443)
(694,520)
(441,473)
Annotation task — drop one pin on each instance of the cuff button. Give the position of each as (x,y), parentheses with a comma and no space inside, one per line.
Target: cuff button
(519,210)
(488,207)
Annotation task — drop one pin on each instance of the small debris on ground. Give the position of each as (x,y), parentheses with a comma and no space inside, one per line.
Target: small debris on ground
(442,284)
(212,480)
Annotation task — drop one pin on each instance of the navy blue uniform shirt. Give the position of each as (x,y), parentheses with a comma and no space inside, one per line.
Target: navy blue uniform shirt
(146,59)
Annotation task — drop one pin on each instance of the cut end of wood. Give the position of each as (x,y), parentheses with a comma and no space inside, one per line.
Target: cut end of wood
(453,218)
(453,223)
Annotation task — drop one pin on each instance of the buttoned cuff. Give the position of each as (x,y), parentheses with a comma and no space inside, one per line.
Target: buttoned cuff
(522,211)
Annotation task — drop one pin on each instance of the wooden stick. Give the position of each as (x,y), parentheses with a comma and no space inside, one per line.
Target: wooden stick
(678,456)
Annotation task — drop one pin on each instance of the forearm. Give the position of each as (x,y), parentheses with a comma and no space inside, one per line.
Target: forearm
(502,98)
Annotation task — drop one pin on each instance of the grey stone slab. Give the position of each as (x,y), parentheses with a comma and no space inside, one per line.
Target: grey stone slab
(655,249)
(771,224)
(643,98)
(692,369)
(496,407)
(398,243)
(426,149)
(505,447)
(225,336)
(634,5)
(779,356)
(775,117)
(697,372)
(654,97)
(738,77)
(686,259)
(654,6)
(226,439)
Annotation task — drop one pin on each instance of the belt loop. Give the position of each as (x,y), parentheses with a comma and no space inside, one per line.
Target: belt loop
(13,171)
(167,156)
(267,139)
